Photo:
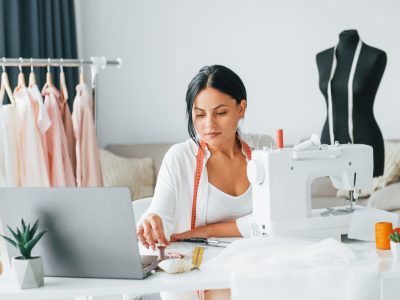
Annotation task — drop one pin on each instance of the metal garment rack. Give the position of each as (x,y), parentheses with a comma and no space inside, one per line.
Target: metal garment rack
(96,63)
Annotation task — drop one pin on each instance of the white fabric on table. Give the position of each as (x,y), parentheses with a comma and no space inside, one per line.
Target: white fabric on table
(275,268)
(362,225)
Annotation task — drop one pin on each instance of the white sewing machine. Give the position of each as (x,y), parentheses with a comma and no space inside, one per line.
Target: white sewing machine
(281,184)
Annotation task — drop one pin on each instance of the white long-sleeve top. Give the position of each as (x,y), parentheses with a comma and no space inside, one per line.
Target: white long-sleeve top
(6,170)
(173,193)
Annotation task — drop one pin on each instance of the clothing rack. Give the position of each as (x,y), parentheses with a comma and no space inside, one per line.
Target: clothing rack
(95,62)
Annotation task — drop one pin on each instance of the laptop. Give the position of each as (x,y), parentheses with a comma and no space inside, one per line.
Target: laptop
(92,232)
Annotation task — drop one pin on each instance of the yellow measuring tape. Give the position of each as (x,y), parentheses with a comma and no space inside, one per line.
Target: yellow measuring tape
(197,258)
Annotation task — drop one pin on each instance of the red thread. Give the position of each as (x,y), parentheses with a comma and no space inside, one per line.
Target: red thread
(279,138)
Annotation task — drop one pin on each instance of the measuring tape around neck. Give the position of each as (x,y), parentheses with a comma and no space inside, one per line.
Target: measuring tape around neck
(349,92)
(197,175)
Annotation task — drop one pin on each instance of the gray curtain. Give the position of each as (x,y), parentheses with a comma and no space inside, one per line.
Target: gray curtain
(39,29)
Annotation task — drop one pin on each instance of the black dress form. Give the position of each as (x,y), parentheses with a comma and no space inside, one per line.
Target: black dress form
(368,74)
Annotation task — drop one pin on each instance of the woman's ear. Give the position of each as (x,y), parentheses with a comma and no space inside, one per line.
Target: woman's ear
(242,108)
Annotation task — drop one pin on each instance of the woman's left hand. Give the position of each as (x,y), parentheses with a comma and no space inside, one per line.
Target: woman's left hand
(199,232)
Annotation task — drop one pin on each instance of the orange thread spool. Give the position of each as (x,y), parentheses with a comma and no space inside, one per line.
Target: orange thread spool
(382,232)
(279,138)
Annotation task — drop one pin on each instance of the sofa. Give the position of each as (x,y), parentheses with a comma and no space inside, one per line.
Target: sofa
(385,196)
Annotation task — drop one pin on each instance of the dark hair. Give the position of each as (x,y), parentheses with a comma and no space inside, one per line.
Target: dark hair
(217,77)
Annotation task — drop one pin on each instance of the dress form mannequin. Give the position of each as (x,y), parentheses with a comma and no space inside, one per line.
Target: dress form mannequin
(360,127)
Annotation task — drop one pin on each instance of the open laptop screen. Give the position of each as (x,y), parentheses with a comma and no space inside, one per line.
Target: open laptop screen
(91,230)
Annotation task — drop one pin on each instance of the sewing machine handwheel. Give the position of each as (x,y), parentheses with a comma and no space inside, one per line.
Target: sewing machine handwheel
(255,171)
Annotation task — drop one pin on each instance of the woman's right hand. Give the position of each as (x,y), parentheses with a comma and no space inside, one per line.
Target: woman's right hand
(151,231)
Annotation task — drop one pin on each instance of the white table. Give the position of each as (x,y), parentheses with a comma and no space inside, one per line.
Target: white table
(56,288)
(390,276)
(84,288)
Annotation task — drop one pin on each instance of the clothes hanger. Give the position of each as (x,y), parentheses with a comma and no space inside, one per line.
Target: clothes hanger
(5,86)
(21,79)
(32,77)
(81,77)
(49,79)
(63,84)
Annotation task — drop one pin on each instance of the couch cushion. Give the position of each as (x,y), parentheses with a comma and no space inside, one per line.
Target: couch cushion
(323,187)
(135,173)
(155,151)
(392,165)
(387,198)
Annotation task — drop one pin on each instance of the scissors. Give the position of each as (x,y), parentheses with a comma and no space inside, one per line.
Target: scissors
(209,242)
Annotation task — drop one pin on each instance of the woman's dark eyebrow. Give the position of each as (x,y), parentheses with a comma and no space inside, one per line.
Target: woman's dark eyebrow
(219,106)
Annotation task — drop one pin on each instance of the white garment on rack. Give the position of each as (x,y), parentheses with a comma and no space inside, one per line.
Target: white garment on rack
(5,162)
(9,114)
(33,168)
(42,119)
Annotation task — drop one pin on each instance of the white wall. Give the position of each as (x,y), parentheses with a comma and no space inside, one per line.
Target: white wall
(270,44)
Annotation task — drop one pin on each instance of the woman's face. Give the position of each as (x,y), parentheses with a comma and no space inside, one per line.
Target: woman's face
(216,116)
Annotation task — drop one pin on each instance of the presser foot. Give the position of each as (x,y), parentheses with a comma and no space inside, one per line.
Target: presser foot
(352,201)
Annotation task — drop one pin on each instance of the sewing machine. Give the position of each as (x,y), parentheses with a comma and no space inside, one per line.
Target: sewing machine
(281,185)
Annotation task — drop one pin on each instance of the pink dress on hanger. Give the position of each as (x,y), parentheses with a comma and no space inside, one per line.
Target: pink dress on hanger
(88,170)
(33,169)
(42,119)
(69,129)
(61,173)
(9,114)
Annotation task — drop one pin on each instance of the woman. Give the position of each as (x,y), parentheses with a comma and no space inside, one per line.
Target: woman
(217,201)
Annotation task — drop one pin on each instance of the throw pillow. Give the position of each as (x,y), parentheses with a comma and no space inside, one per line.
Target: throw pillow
(392,165)
(135,173)
(387,198)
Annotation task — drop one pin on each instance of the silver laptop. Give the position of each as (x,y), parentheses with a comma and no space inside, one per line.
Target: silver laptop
(92,232)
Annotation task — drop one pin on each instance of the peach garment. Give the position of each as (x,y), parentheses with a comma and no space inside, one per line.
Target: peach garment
(42,119)
(61,173)
(13,169)
(88,171)
(69,129)
(33,169)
